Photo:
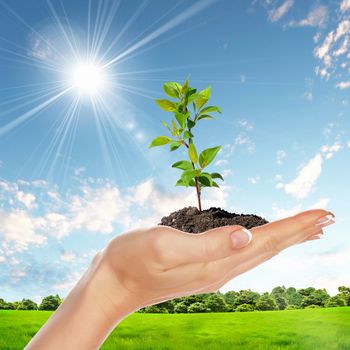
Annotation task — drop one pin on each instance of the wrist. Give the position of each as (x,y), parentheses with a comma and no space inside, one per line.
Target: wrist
(105,289)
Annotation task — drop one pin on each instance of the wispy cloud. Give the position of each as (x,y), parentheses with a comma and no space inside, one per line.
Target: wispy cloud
(345,5)
(277,13)
(317,17)
(280,155)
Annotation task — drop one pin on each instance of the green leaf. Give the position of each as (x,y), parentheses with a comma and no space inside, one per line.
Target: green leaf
(192,153)
(174,128)
(215,184)
(187,135)
(208,155)
(205,116)
(190,123)
(166,105)
(166,125)
(205,179)
(217,176)
(181,182)
(183,165)
(203,97)
(185,87)
(160,141)
(181,119)
(188,175)
(191,97)
(210,109)
(172,89)
(175,145)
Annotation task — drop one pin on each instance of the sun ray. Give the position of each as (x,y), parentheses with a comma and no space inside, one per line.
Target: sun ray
(25,116)
(177,20)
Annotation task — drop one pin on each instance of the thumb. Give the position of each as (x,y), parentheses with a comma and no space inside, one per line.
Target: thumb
(214,244)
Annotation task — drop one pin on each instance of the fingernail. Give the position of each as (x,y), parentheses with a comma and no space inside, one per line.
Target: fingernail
(326,220)
(241,238)
(314,237)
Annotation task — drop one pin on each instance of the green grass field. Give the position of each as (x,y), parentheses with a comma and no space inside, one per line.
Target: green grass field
(318,329)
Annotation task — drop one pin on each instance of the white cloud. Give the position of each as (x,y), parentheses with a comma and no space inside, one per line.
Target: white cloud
(221,162)
(281,154)
(280,213)
(20,229)
(320,204)
(243,140)
(245,124)
(307,176)
(345,5)
(254,180)
(333,52)
(343,85)
(329,151)
(317,17)
(68,256)
(349,144)
(277,13)
(243,78)
(27,199)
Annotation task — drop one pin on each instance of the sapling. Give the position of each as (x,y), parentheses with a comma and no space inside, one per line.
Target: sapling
(188,108)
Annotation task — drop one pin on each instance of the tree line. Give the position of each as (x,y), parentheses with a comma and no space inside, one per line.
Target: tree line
(280,298)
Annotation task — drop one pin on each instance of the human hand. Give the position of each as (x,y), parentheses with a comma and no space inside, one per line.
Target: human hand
(160,263)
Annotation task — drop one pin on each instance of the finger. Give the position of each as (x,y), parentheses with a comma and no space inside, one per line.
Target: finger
(177,248)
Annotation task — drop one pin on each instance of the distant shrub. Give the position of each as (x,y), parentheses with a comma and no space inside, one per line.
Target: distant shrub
(335,301)
(292,307)
(181,308)
(197,307)
(244,308)
(154,309)
(313,306)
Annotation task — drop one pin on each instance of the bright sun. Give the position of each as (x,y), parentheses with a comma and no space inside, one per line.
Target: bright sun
(87,78)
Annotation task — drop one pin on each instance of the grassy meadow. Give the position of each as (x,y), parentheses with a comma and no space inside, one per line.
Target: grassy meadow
(315,329)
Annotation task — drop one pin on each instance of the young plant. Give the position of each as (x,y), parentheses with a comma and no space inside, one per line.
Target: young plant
(188,108)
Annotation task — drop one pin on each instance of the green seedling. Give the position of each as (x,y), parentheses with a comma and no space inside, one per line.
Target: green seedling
(188,108)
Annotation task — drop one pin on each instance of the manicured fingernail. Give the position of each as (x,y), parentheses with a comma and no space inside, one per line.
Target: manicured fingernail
(326,220)
(241,238)
(314,237)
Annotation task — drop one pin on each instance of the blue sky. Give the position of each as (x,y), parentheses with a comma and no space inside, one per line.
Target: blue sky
(76,171)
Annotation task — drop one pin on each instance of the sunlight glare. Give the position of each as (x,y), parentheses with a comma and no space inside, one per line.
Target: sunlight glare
(87,78)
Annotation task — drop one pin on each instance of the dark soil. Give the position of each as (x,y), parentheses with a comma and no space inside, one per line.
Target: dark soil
(192,221)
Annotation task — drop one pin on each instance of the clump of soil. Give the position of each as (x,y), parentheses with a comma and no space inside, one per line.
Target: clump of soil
(190,220)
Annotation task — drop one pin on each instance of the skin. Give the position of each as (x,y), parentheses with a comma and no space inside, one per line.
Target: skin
(146,266)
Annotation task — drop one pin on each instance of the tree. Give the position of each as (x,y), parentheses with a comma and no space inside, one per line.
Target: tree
(188,101)
(293,297)
(279,295)
(266,302)
(27,304)
(180,308)
(51,302)
(344,293)
(246,297)
(3,304)
(197,308)
(335,301)
(216,303)
(245,308)
(230,297)
(314,296)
